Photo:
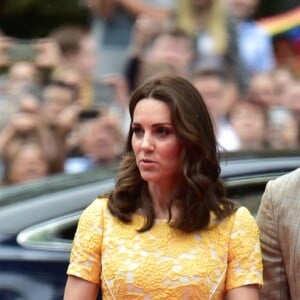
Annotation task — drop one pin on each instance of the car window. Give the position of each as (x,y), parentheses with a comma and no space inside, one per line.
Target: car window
(67,233)
(55,234)
(248,192)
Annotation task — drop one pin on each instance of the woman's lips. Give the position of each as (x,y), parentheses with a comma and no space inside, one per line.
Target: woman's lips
(146,163)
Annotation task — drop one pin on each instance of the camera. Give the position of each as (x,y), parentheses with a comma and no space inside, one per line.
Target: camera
(104,94)
(22,50)
(89,114)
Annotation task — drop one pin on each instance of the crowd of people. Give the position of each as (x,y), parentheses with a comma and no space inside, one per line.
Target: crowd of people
(66,95)
(159,88)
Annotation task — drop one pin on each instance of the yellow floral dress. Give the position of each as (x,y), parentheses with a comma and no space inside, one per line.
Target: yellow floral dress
(165,263)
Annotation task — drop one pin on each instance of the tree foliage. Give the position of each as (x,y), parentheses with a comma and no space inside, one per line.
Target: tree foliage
(36,18)
(15,7)
(33,18)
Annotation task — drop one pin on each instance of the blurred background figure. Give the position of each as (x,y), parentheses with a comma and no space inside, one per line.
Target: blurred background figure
(79,52)
(112,25)
(57,98)
(170,51)
(214,30)
(4,45)
(255,45)
(20,75)
(291,97)
(25,162)
(148,70)
(59,111)
(29,102)
(69,75)
(78,68)
(215,89)
(283,132)
(23,128)
(283,78)
(263,88)
(248,119)
(99,142)
(284,28)
(68,39)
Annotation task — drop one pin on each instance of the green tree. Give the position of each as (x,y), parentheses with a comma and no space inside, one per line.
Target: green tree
(36,18)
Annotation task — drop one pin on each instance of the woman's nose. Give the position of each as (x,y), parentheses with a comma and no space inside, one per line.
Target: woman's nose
(147,142)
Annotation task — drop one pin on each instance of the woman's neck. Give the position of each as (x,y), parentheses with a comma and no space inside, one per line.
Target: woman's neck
(161,196)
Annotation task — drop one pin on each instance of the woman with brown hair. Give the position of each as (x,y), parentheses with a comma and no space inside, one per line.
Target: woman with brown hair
(167,230)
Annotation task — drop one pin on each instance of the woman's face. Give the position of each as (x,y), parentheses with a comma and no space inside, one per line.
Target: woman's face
(99,142)
(155,143)
(29,164)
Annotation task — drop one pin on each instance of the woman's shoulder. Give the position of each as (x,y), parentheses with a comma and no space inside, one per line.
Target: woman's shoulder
(98,203)
(95,209)
(240,218)
(243,222)
(242,212)
(243,215)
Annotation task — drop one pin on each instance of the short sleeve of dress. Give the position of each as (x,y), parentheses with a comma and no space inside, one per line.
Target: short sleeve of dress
(86,250)
(244,259)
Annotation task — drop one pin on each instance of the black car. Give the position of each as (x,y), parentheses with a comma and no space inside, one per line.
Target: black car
(38,219)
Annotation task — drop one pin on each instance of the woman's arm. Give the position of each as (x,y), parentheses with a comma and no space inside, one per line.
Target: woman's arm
(244,274)
(78,289)
(246,292)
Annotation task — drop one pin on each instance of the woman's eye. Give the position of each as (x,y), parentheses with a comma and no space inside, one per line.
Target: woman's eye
(163,131)
(137,131)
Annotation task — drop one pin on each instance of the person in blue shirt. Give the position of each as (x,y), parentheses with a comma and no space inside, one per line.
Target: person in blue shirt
(255,45)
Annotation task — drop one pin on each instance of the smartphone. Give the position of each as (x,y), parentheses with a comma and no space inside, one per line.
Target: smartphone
(88,114)
(104,94)
(22,50)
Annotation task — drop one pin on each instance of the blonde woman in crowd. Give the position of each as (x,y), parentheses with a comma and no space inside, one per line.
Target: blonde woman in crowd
(214,29)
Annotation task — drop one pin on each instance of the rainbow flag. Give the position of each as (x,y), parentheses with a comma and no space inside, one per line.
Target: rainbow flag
(281,23)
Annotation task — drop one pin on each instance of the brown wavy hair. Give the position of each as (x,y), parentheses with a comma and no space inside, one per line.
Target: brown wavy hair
(201,191)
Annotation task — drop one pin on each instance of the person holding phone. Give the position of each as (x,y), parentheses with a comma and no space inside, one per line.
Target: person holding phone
(99,142)
(112,26)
